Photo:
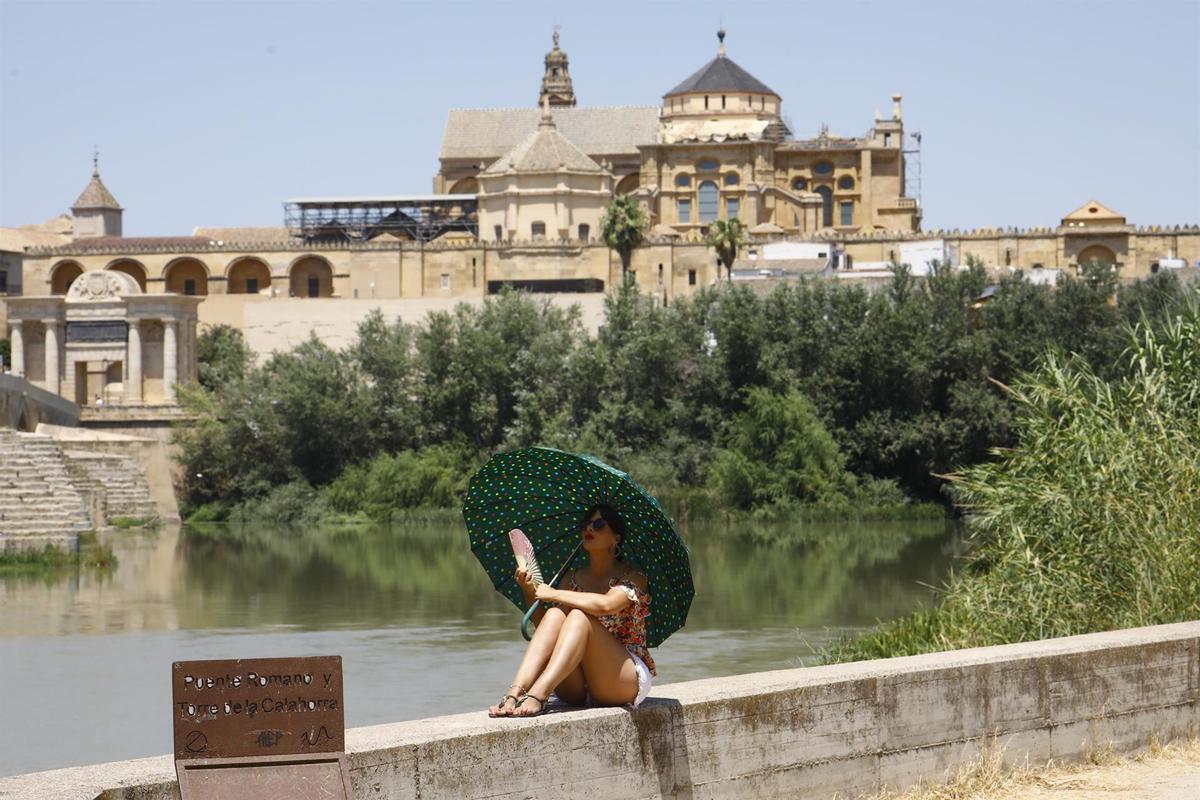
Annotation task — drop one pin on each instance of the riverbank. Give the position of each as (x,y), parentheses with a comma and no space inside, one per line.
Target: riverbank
(88,554)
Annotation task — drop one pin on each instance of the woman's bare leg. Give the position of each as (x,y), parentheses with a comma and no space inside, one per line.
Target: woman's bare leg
(584,643)
(609,671)
(536,655)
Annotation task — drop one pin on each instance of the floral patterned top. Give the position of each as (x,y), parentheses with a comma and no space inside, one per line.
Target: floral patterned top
(628,626)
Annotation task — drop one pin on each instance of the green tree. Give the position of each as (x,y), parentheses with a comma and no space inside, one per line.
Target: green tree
(778,453)
(727,237)
(222,356)
(623,227)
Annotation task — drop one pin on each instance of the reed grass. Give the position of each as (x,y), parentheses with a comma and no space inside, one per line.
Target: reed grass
(1090,523)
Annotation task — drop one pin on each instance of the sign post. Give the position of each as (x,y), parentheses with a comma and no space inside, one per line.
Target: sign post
(260,728)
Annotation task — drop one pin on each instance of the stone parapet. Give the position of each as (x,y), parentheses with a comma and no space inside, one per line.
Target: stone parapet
(814,733)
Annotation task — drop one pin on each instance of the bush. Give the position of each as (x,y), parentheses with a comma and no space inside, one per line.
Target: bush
(779,453)
(434,477)
(1089,524)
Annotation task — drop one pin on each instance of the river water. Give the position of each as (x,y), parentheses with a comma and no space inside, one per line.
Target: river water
(85,659)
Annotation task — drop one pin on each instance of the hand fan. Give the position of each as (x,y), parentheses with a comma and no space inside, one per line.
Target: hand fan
(523,550)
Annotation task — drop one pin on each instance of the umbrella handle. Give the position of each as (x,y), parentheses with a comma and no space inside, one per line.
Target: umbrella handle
(525,620)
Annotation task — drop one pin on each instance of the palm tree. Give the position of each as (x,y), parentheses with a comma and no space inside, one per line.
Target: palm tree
(624,228)
(726,237)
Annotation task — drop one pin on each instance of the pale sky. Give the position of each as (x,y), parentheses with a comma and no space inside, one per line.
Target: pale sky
(212,114)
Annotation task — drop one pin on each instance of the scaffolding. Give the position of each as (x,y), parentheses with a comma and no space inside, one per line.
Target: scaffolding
(419,218)
(912,177)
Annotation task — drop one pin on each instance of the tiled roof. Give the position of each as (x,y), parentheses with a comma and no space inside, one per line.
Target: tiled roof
(96,195)
(721,74)
(544,150)
(228,235)
(15,240)
(488,133)
(117,243)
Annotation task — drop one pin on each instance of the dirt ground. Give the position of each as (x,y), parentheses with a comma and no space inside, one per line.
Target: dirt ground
(1160,773)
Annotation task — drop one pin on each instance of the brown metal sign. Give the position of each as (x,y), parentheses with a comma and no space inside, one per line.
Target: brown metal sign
(258,707)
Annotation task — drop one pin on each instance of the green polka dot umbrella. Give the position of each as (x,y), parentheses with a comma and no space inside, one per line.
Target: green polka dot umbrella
(545,493)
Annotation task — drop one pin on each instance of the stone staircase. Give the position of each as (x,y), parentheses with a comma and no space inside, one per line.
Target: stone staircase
(119,478)
(39,502)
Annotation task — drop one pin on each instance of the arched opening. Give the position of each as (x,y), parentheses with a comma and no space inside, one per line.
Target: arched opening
(709,196)
(63,275)
(186,276)
(826,206)
(132,268)
(311,276)
(248,276)
(465,186)
(1097,254)
(627,184)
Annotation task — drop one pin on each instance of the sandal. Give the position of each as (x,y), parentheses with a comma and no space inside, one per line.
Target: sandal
(541,706)
(516,698)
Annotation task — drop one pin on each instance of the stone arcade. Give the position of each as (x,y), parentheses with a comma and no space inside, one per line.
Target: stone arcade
(105,342)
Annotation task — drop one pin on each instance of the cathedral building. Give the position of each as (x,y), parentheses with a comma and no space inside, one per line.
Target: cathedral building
(518,200)
(718,147)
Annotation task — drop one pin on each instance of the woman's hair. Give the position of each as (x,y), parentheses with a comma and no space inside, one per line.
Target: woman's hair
(612,517)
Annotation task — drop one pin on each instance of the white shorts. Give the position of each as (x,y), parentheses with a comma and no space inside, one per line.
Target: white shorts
(643,675)
(643,678)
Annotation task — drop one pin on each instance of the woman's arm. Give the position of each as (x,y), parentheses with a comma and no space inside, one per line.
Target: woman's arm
(596,605)
(525,581)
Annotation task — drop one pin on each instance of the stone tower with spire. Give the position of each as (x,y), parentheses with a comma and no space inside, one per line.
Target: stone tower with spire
(556,83)
(96,212)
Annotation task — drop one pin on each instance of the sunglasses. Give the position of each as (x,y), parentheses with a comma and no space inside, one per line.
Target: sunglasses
(594,525)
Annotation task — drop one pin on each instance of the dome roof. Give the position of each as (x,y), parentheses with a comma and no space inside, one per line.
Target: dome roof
(722,74)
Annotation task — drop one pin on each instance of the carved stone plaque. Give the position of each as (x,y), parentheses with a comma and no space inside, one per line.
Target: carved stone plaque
(260,728)
(258,706)
(106,331)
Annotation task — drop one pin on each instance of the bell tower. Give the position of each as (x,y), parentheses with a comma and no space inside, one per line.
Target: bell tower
(556,83)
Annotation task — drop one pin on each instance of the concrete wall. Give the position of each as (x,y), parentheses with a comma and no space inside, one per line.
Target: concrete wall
(23,405)
(809,733)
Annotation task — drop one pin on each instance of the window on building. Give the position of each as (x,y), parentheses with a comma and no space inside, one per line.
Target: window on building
(722,101)
(731,179)
(685,211)
(314,286)
(799,184)
(691,277)
(707,164)
(445,280)
(731,208)
(189,286)
(683,180)
(4,282)
(660,274)
(709,198)
(847,209)
(845,182)
(826,206)
(538,229)
(762,102)
(499,233)
(585,232)
(251,285)
(706,102)
(887,140)
(823,168)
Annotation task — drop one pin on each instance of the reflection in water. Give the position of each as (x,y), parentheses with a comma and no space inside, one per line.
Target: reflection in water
(419,627)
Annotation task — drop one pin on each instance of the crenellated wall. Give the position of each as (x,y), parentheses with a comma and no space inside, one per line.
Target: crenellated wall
(814,733)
